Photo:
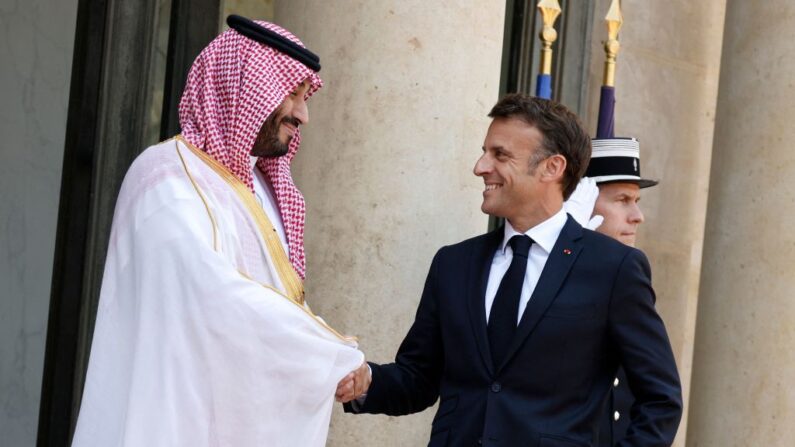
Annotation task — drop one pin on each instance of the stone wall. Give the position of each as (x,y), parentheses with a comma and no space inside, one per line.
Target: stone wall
(386,165)
(666,94)
(36,43)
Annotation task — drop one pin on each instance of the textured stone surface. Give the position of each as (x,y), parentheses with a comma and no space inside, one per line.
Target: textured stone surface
(666,93)
(36,39)
(744,356)
(386,165)
(253,9)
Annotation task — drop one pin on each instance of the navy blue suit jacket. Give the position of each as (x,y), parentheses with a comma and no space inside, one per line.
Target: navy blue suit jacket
(592,308)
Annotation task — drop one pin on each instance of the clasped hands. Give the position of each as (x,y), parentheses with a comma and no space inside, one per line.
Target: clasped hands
(354,385)
(580,205)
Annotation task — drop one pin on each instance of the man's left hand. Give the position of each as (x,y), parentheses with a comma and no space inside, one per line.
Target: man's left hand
(354,385)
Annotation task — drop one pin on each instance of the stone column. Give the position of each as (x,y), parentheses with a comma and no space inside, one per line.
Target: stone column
(745,341)
(666,92)
(386,165)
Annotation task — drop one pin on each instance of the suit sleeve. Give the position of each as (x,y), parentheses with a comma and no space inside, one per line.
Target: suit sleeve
(411,383)
(645,352)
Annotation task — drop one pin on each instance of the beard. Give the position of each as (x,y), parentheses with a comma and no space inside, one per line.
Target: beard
(267,143)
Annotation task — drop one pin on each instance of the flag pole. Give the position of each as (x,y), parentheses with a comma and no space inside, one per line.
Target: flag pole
(550,10)
(607,98)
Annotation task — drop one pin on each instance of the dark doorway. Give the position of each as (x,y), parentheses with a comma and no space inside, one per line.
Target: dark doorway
(127,76)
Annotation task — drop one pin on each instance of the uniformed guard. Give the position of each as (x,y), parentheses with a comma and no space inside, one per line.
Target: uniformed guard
(615,168)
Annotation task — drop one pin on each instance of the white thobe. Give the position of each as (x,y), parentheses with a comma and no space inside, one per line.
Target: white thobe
(265,196)
(196,342)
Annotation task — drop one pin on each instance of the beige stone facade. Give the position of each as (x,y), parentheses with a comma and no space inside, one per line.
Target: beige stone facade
(744,358)
(387,175)
(666,92)
(386,168)
(386,165)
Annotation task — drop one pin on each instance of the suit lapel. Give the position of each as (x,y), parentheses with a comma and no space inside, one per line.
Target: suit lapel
(479,268)
(557,267)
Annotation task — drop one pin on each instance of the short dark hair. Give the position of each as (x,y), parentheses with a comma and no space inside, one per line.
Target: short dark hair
(561,130)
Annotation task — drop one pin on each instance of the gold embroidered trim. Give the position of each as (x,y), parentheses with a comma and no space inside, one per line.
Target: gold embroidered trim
(348,338)
(292,283)
(248,199)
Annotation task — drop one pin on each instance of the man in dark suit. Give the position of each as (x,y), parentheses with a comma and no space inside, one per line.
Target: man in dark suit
(615,169)
(519,331)
(606,201)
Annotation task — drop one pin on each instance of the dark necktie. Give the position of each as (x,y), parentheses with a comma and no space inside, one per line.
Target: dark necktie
(505,308)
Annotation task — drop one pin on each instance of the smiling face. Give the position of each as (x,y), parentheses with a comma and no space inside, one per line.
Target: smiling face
(618,204)
(273,139)
(509,166)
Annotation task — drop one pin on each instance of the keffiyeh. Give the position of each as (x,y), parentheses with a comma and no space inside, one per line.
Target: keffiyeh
(234,85)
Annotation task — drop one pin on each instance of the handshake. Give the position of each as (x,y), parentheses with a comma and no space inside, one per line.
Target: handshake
(354,385)
(580,205)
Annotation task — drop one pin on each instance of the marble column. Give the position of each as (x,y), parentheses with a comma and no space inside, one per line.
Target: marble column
(386,165)
(745,339)
(666,92)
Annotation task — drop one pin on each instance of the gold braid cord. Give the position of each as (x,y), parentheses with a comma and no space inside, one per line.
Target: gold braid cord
(294,288)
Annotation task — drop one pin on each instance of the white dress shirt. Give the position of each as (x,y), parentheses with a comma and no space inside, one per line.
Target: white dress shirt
(267,200)
(544,236)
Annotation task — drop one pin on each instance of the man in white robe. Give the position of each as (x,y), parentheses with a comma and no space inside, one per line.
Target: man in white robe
(203,337)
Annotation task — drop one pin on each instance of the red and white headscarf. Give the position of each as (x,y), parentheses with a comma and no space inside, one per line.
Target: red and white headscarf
(234,85)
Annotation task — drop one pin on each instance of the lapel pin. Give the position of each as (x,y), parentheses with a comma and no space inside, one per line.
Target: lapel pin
(566,251)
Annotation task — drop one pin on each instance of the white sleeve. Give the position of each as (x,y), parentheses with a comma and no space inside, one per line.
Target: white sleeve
(187,351)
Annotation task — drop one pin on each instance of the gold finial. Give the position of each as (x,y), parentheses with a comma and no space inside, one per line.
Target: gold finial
(614,20)
(550,10)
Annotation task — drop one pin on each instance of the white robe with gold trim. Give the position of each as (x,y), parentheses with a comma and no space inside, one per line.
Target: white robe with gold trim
(195,342)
